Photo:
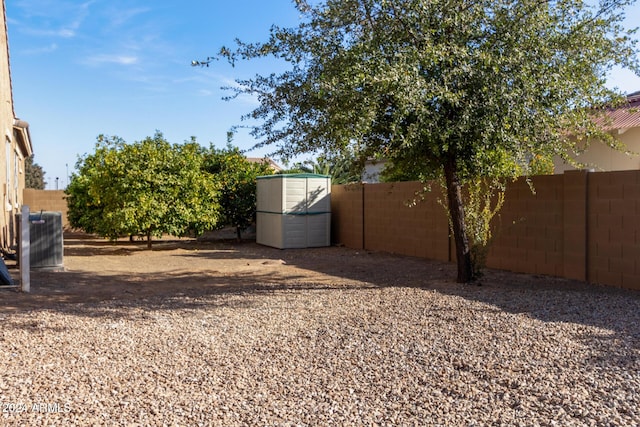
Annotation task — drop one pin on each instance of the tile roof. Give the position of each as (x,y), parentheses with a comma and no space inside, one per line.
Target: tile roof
(267,160)
(626,116)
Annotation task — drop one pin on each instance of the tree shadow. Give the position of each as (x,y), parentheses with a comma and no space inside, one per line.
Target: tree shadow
(95,295)
(376,268)
(615,313)
(124,247)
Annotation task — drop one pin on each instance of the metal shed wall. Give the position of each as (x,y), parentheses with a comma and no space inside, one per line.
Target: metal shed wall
(294,211)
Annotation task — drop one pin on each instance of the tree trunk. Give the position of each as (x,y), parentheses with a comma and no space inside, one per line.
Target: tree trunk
(239,233)
(456,211)
(149,240)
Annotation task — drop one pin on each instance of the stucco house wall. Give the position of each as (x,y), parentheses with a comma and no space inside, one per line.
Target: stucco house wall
(625,126)
(15,146)
(372,171)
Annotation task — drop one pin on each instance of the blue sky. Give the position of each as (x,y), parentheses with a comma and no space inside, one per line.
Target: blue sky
(84,68)
(116,67)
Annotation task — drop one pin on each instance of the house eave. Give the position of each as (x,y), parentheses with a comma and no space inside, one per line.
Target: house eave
(23,137)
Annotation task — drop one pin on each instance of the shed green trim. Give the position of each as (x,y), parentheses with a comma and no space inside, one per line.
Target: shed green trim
(293,175)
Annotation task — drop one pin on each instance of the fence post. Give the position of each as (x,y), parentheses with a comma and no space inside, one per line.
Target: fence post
(575,220)
(25,243)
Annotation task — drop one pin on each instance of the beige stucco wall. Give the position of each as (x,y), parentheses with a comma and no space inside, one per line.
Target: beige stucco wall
(12,169)
(6,129)
(602,158)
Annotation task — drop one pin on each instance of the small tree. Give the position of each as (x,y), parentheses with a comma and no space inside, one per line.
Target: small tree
(236,180)
(33,174)
(483,198)
(150,188)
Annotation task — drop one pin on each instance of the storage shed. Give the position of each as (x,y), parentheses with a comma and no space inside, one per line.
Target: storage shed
(294,211)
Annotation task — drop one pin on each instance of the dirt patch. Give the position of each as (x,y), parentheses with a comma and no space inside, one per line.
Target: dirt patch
(98,270)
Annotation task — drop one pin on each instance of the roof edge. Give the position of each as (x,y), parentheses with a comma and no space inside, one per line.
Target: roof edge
(21,130)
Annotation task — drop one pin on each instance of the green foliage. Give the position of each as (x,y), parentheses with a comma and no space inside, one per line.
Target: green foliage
(83,212)
(343,168)
(147,188)
(236,178)
(483,198)
(541,165)
(407,169)
(33,174)
(460,89)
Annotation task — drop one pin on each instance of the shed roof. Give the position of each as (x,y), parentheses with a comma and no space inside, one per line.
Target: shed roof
(293,175)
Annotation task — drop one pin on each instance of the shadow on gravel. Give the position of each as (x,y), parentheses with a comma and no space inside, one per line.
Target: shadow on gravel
(548,299)
(378,269)
(85,248)
(63,291)
(615,311)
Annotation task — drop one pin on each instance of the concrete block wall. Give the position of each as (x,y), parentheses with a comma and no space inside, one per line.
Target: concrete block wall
(379,217)
(614,228)
(47,200)
(574,225)
(347,215)
(528,230)
(579,225)
(392,224)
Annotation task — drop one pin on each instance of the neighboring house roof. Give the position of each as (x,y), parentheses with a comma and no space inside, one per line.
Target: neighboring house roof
(270,162)
(626,116)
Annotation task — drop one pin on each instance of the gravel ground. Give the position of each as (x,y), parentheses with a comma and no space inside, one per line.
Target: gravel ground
(326,349)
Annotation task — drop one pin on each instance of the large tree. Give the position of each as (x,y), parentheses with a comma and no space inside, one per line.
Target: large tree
(465,88)
(148,188)
(33,174)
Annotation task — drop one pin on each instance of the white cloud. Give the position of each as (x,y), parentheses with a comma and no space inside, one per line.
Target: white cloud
(229,82)
(120,16)
(231,85)
(63,33)
(210,83)
(45,49)
(59,19)
(111,59)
